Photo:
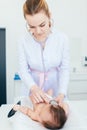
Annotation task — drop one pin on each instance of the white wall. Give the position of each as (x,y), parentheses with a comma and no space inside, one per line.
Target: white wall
(11,17)
(70,16)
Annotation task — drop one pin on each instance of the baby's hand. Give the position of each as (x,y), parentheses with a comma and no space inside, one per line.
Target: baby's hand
(16,107)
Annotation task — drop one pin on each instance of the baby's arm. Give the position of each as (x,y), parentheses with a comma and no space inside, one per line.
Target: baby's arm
(27,111)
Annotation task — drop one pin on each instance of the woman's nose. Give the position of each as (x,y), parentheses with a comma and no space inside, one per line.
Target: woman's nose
(38,30)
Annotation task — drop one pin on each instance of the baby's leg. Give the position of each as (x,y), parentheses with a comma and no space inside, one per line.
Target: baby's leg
(27,111)
(22,109)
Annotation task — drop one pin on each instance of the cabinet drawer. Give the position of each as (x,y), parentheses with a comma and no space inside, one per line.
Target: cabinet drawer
(77,86)
(77,89)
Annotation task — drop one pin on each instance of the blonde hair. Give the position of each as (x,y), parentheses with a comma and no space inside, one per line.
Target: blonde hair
(32,7)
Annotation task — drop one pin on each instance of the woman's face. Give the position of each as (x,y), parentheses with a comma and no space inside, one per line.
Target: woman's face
(39,25)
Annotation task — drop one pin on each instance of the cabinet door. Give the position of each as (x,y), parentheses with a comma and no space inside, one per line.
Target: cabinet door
(2,67)
(78,89)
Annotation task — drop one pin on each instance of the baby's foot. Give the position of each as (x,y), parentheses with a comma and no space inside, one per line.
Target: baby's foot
(16,107)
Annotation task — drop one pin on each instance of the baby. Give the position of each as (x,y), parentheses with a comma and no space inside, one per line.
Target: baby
(50,115)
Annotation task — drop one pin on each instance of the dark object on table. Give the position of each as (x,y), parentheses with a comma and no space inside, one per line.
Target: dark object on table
(12,111)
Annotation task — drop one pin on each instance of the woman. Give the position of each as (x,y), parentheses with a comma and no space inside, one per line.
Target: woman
(43,54)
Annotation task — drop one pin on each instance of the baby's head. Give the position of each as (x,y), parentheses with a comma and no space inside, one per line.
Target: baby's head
(53,117)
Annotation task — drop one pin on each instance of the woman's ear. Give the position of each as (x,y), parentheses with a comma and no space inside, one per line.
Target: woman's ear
(50,15)
(50,20)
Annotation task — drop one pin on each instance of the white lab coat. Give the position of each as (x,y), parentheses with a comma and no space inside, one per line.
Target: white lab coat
(54,60)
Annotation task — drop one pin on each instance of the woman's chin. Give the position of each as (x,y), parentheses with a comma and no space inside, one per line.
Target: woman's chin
(42,39)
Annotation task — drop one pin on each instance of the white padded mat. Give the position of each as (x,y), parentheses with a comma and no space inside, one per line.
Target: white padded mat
(76,120)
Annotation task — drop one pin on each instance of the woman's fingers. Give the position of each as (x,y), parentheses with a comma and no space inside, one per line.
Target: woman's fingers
(37,98)
(38,95)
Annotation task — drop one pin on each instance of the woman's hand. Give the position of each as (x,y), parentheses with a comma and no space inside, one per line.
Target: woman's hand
(60,98)
(37,95)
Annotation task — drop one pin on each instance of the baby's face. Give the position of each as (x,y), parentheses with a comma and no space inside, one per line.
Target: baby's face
(45,114)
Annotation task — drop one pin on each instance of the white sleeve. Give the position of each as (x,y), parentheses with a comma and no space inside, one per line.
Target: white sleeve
(24,71)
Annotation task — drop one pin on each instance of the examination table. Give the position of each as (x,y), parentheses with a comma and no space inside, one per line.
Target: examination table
(77,119)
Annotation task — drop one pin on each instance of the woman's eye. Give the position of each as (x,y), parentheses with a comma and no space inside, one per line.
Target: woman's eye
(32,27)
(42,25)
